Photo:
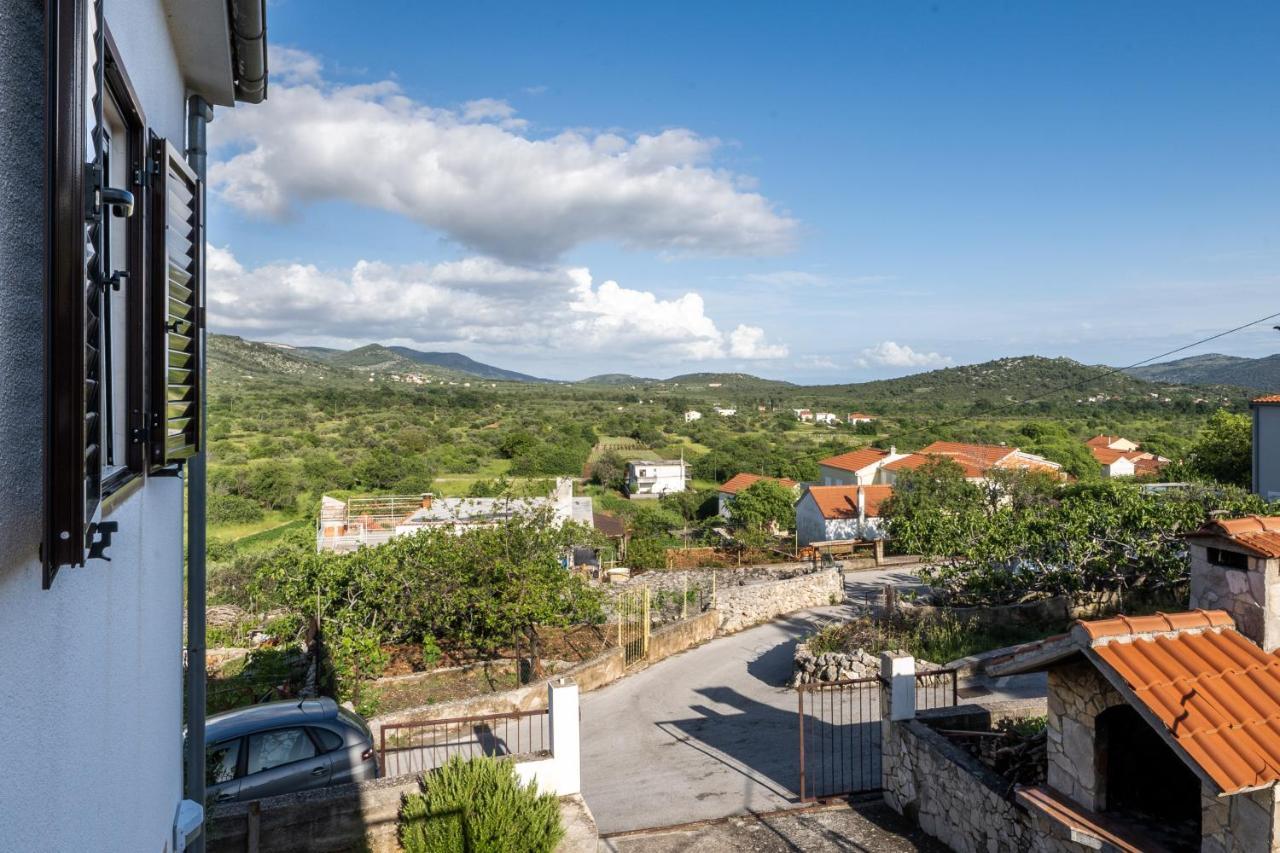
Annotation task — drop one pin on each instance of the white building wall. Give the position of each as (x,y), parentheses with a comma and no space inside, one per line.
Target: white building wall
(1120,468)
(810,525)
(91,669)
(1266,451)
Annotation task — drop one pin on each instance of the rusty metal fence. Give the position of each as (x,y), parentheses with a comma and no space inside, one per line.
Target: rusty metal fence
(840,736)
(632,610)
(422,745)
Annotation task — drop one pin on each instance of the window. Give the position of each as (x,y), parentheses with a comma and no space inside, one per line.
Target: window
(220,762)
(122,360)
(279,747)
(328,740)
(1229,559)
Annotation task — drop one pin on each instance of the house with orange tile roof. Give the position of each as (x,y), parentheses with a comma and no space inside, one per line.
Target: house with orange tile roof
(856,468)
(1112,442)
(855,418)
(976,460)
(735,484)
(826,513)
(1266,446)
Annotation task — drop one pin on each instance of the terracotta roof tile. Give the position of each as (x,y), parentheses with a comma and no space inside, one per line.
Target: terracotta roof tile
(1216,694)
(1257,533)
(1127,626)
(1102,440)
(738,482)
(855,460)
(1106,455)
(915,460)
(988,454)
(1270,398)
(842,501)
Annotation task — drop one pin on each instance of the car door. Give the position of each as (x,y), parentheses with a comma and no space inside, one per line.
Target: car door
(282,761)
(221,765)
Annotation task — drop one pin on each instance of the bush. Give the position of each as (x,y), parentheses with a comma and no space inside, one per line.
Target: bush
(479,804)
(232,509)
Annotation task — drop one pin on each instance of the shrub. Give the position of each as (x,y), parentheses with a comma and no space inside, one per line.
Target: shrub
(232,509)
(479,804)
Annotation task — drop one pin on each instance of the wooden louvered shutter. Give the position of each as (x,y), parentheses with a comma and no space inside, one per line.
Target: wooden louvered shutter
(177,309)
(73,456)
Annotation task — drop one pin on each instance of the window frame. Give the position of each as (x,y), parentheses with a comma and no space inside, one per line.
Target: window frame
(120,88)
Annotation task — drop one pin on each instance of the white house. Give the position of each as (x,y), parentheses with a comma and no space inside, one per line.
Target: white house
(857,468)
(1114,463)
(1266,446)
(101,353)
(825,418)
(976,460)
(725,413)
(738,482)
(691,416)
(824,513)
(654,478)
(803,414)
(855,418)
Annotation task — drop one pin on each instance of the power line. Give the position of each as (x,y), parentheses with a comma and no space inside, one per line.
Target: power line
(1104,373)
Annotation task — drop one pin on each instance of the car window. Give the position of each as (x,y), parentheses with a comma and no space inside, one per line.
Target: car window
(220,762)
(282,746)
(329,741)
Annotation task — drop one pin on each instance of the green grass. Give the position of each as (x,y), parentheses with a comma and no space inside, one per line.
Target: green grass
(243,530)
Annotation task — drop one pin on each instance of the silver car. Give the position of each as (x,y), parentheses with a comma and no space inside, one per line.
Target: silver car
(283,747)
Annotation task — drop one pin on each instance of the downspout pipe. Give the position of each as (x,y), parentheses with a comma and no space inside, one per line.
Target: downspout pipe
(199,114)
(249,39)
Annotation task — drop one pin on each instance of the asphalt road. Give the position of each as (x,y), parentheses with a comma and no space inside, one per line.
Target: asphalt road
(708,733)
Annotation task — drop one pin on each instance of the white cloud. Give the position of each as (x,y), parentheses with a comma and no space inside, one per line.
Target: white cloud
(472,301)
(474,176)
(786,278)
(890,354)
(749,342)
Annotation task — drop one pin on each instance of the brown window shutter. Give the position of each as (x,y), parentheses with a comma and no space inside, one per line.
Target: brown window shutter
(177,307)
(72,456)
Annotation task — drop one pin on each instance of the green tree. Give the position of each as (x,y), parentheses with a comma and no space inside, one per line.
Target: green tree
(1224,449)
(610,470)
(763,505)
(934,511)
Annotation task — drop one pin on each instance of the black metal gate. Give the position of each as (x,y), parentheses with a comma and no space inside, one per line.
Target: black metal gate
(839,738)
(840,734)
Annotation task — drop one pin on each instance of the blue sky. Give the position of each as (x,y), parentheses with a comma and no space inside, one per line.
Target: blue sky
(816,192)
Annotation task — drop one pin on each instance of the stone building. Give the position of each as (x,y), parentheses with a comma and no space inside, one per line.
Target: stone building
(1163,732)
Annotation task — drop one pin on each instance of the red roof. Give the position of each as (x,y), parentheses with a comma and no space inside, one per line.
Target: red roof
(1215,694)
(860,415)
(738,482)
(915,460)
(1257,533)
(1269,399)
(855,460)
(1106,455)
(1103,440)
(842,501)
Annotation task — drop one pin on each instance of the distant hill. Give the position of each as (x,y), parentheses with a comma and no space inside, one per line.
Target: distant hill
(463,364)
(729,381)
(234,360)
(374,358)
(616,379)
(1258,374)
(1015,380)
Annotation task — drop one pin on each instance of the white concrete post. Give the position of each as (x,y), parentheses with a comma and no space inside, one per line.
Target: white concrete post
(898,672)
(566,749)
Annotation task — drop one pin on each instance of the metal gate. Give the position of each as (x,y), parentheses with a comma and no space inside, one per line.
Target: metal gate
(839,738)
(840,734)
(632,609)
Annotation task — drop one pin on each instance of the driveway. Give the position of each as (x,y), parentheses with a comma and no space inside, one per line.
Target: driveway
(705,734)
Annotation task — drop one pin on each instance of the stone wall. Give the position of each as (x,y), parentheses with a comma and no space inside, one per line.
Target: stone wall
(952,795)
(603,669)
(1251,596)
(831,666)
(347,817)
(743,606)
(1238,824)
(1077,695)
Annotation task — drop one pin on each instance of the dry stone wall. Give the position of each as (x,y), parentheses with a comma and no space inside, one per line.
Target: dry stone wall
(743,606)
(1077,695)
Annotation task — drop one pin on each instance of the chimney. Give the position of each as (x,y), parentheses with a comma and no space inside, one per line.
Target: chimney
(893,450)
(426,500)
(862,508)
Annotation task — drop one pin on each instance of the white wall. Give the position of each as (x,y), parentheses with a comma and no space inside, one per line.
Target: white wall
(90,670)
(1120,468)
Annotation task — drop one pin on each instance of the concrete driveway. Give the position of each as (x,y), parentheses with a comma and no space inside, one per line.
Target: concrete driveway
(708,733)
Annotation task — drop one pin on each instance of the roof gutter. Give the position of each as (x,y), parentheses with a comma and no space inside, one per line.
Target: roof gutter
(249,49)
